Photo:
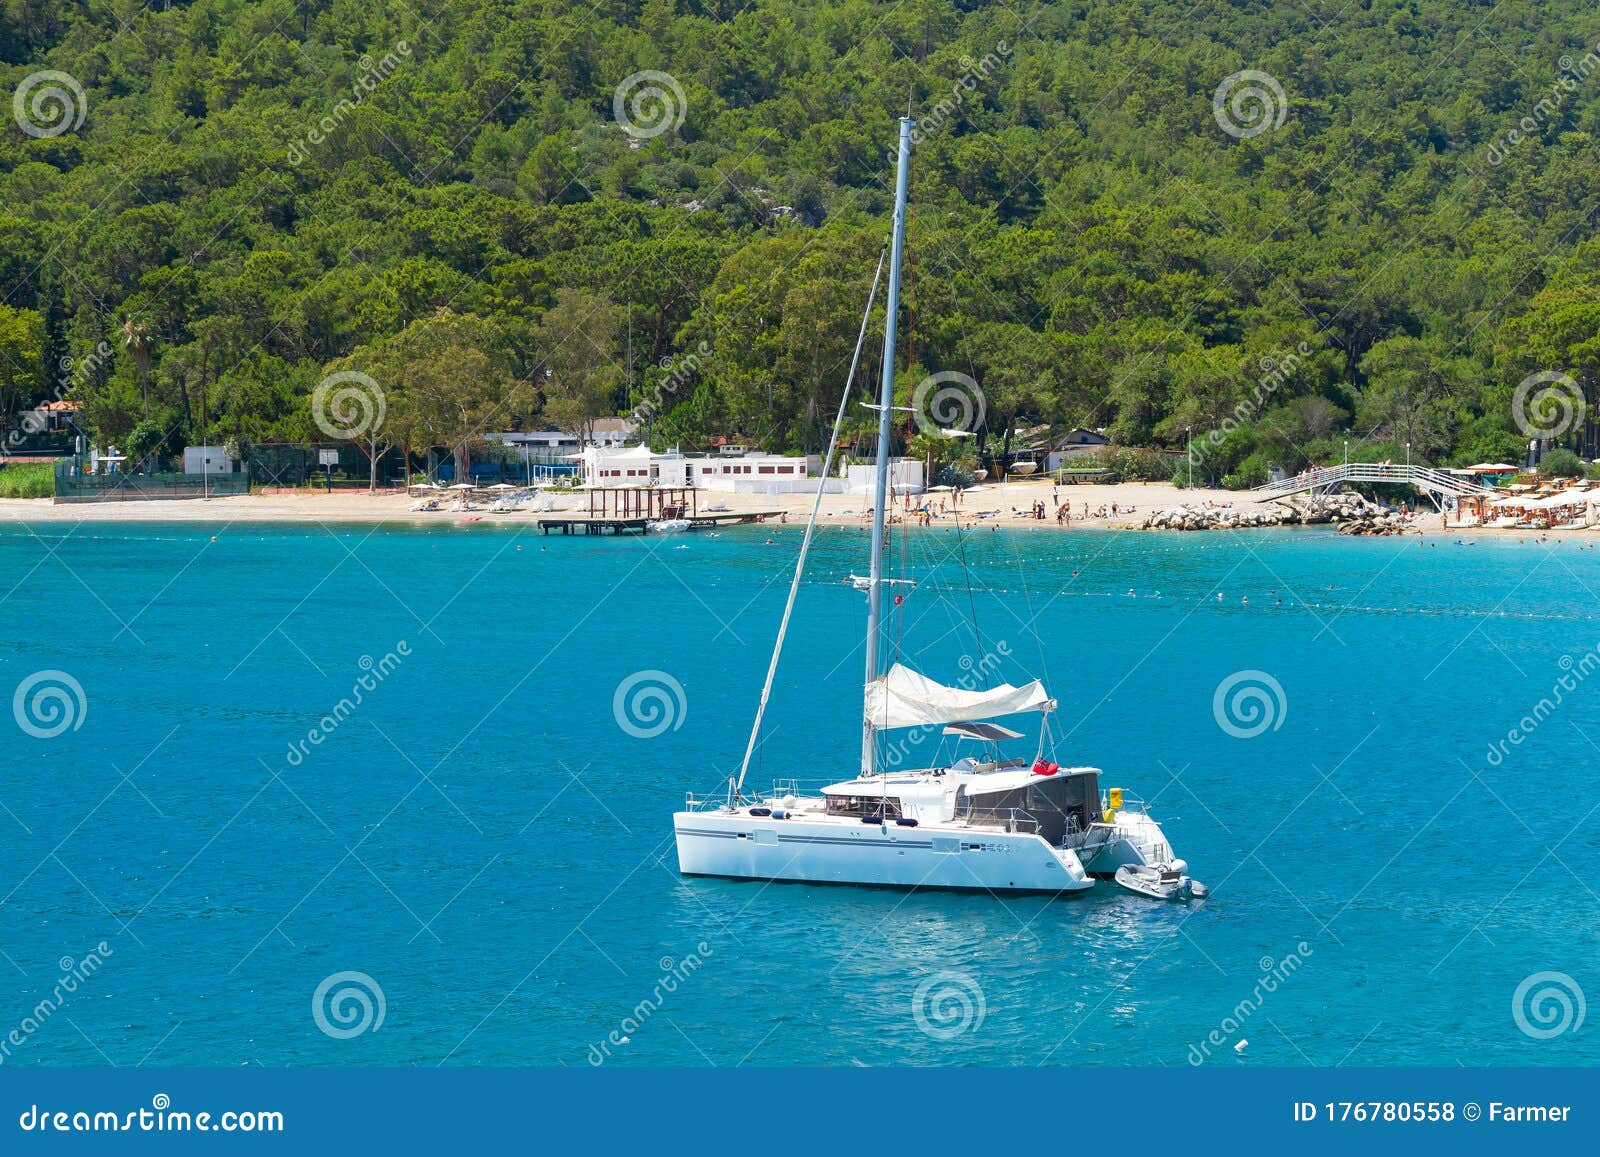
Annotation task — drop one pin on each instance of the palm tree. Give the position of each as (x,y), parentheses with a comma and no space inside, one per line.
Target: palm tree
(136,340)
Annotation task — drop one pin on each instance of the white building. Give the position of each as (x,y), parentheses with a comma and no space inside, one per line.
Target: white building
(755,473)
(603,466)
(206,460)
(547,445)
(905,477)
(737,474)
(541,444)
(747,473)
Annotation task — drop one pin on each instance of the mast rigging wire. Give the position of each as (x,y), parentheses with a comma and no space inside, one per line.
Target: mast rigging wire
(811,525)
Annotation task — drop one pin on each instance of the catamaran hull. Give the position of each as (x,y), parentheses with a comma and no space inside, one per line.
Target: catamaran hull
(752,848)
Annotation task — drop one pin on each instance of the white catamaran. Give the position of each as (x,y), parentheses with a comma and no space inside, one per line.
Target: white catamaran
(984,823)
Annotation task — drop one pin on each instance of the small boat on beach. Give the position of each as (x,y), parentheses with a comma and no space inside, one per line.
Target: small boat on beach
(1022,465)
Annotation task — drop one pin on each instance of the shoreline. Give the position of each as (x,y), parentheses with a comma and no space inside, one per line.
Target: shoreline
(992,505)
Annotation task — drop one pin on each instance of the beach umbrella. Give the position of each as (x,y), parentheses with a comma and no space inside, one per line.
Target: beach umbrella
(502,486)
(462,486)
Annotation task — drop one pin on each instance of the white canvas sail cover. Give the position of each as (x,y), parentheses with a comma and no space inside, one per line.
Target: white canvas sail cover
(903,698)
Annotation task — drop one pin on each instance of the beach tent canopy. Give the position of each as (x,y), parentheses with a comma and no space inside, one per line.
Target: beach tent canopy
(1494,468)
(1548,502)
(903,698)
(1564,498)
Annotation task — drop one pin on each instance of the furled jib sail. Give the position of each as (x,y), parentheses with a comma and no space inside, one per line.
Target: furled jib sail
(903,698)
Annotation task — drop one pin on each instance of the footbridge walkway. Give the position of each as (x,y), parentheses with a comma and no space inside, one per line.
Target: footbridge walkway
(1437,484)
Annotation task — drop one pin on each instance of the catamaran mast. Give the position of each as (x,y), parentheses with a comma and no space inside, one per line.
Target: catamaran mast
(885,410)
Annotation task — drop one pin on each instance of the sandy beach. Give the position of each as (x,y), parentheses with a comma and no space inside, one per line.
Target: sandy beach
(1002,504)
(996,502)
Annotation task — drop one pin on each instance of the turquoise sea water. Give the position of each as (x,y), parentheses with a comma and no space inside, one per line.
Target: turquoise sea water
(482,840)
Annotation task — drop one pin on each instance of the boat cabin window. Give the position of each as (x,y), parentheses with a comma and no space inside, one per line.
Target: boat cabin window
(863,805)
(1054,806)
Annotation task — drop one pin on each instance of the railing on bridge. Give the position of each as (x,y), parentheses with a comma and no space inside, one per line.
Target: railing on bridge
(1424,478)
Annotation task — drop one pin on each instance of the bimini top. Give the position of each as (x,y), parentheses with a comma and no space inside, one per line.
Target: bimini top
(903,698)
(1000,781)
(992,732)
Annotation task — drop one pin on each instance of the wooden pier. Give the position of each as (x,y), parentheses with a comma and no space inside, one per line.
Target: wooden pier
(631,509)
(585,524)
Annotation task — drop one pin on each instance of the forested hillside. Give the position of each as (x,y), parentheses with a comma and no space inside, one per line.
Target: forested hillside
(1377,233)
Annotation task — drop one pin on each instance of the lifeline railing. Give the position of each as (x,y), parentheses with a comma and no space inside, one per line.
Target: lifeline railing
(1012,820)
